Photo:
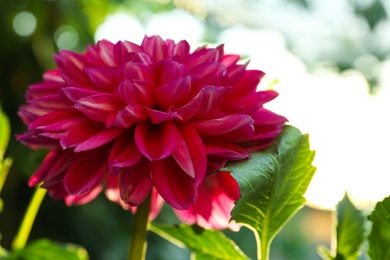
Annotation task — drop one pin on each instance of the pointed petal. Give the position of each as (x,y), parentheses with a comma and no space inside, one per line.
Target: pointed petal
(157,117)
(177,188)
(168,71)
(155,142)
(85,171)
(99,107)
(57,121)
(211,73)
(134,71)
(121,48)
(190,153)
(102,77)
(74,94)
(80,133)
(201,104)
(99,139)
(124,153)
(226,150)
(222,125)
(174,93)
(135,183)
(41,173)
(128,91)
(155,46)
(131,114)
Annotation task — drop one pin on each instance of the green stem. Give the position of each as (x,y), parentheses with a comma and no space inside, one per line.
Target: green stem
(264,250)
(141,225)
(4,169)
(20,239)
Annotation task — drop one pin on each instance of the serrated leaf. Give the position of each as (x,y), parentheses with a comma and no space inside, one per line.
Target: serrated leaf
(204,244)
(379,237)
(272,185)
(349,231)
(45,249)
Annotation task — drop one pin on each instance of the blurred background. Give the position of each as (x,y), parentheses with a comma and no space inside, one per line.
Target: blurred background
(329,61)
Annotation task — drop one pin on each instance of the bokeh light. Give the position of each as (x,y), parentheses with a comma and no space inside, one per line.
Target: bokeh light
(24,23)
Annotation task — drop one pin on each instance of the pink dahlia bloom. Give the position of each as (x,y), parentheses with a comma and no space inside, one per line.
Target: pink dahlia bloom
(155,117)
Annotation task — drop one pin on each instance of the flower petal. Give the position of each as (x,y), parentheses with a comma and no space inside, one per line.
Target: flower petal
(124,152)
(102,77)
(157,117)
(207,98)
(99,107)
(176,187)
(155,142)
(85,171)
(74,94)
(135,183)
(57,121)
(131,114)
(190,153)
(210,73)
(222,125)
(155,46)
(174,93)
(99,139)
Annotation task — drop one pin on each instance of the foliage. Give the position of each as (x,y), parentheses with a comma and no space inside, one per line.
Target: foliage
(204,244)
(379,238)
(272,185)
(44,249)
(350,232)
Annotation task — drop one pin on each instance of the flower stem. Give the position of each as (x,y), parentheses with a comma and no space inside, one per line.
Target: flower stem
(138,243)
(20,239)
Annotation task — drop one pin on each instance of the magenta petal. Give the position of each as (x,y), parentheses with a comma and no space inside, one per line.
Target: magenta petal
(124,152)
(174,93)
(102,78)
(200,56)
(85,171)
(211,73)
(121,48)
(202,103)
(128,91)
(57,121)
(74,94)
(226,150)
(135,183)
(80,133)
(177,188)
(157,117)
(131,114)
(190,153)
(40,174)
(134,71)
(99,107)
(222,125)
(155,46)
(155,141)
(229,60)
(99,139)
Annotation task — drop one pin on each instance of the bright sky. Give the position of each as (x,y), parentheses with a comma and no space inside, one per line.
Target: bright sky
(347,127)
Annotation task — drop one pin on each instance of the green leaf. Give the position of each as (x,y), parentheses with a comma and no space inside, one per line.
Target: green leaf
(349,231)
(45,249)
(379,238)
(4,134)
(272,184)
(205,244)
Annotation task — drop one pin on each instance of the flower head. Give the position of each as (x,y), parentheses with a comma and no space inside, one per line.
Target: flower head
(148,118)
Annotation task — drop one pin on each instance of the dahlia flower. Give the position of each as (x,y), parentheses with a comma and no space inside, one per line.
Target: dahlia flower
(150,118)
